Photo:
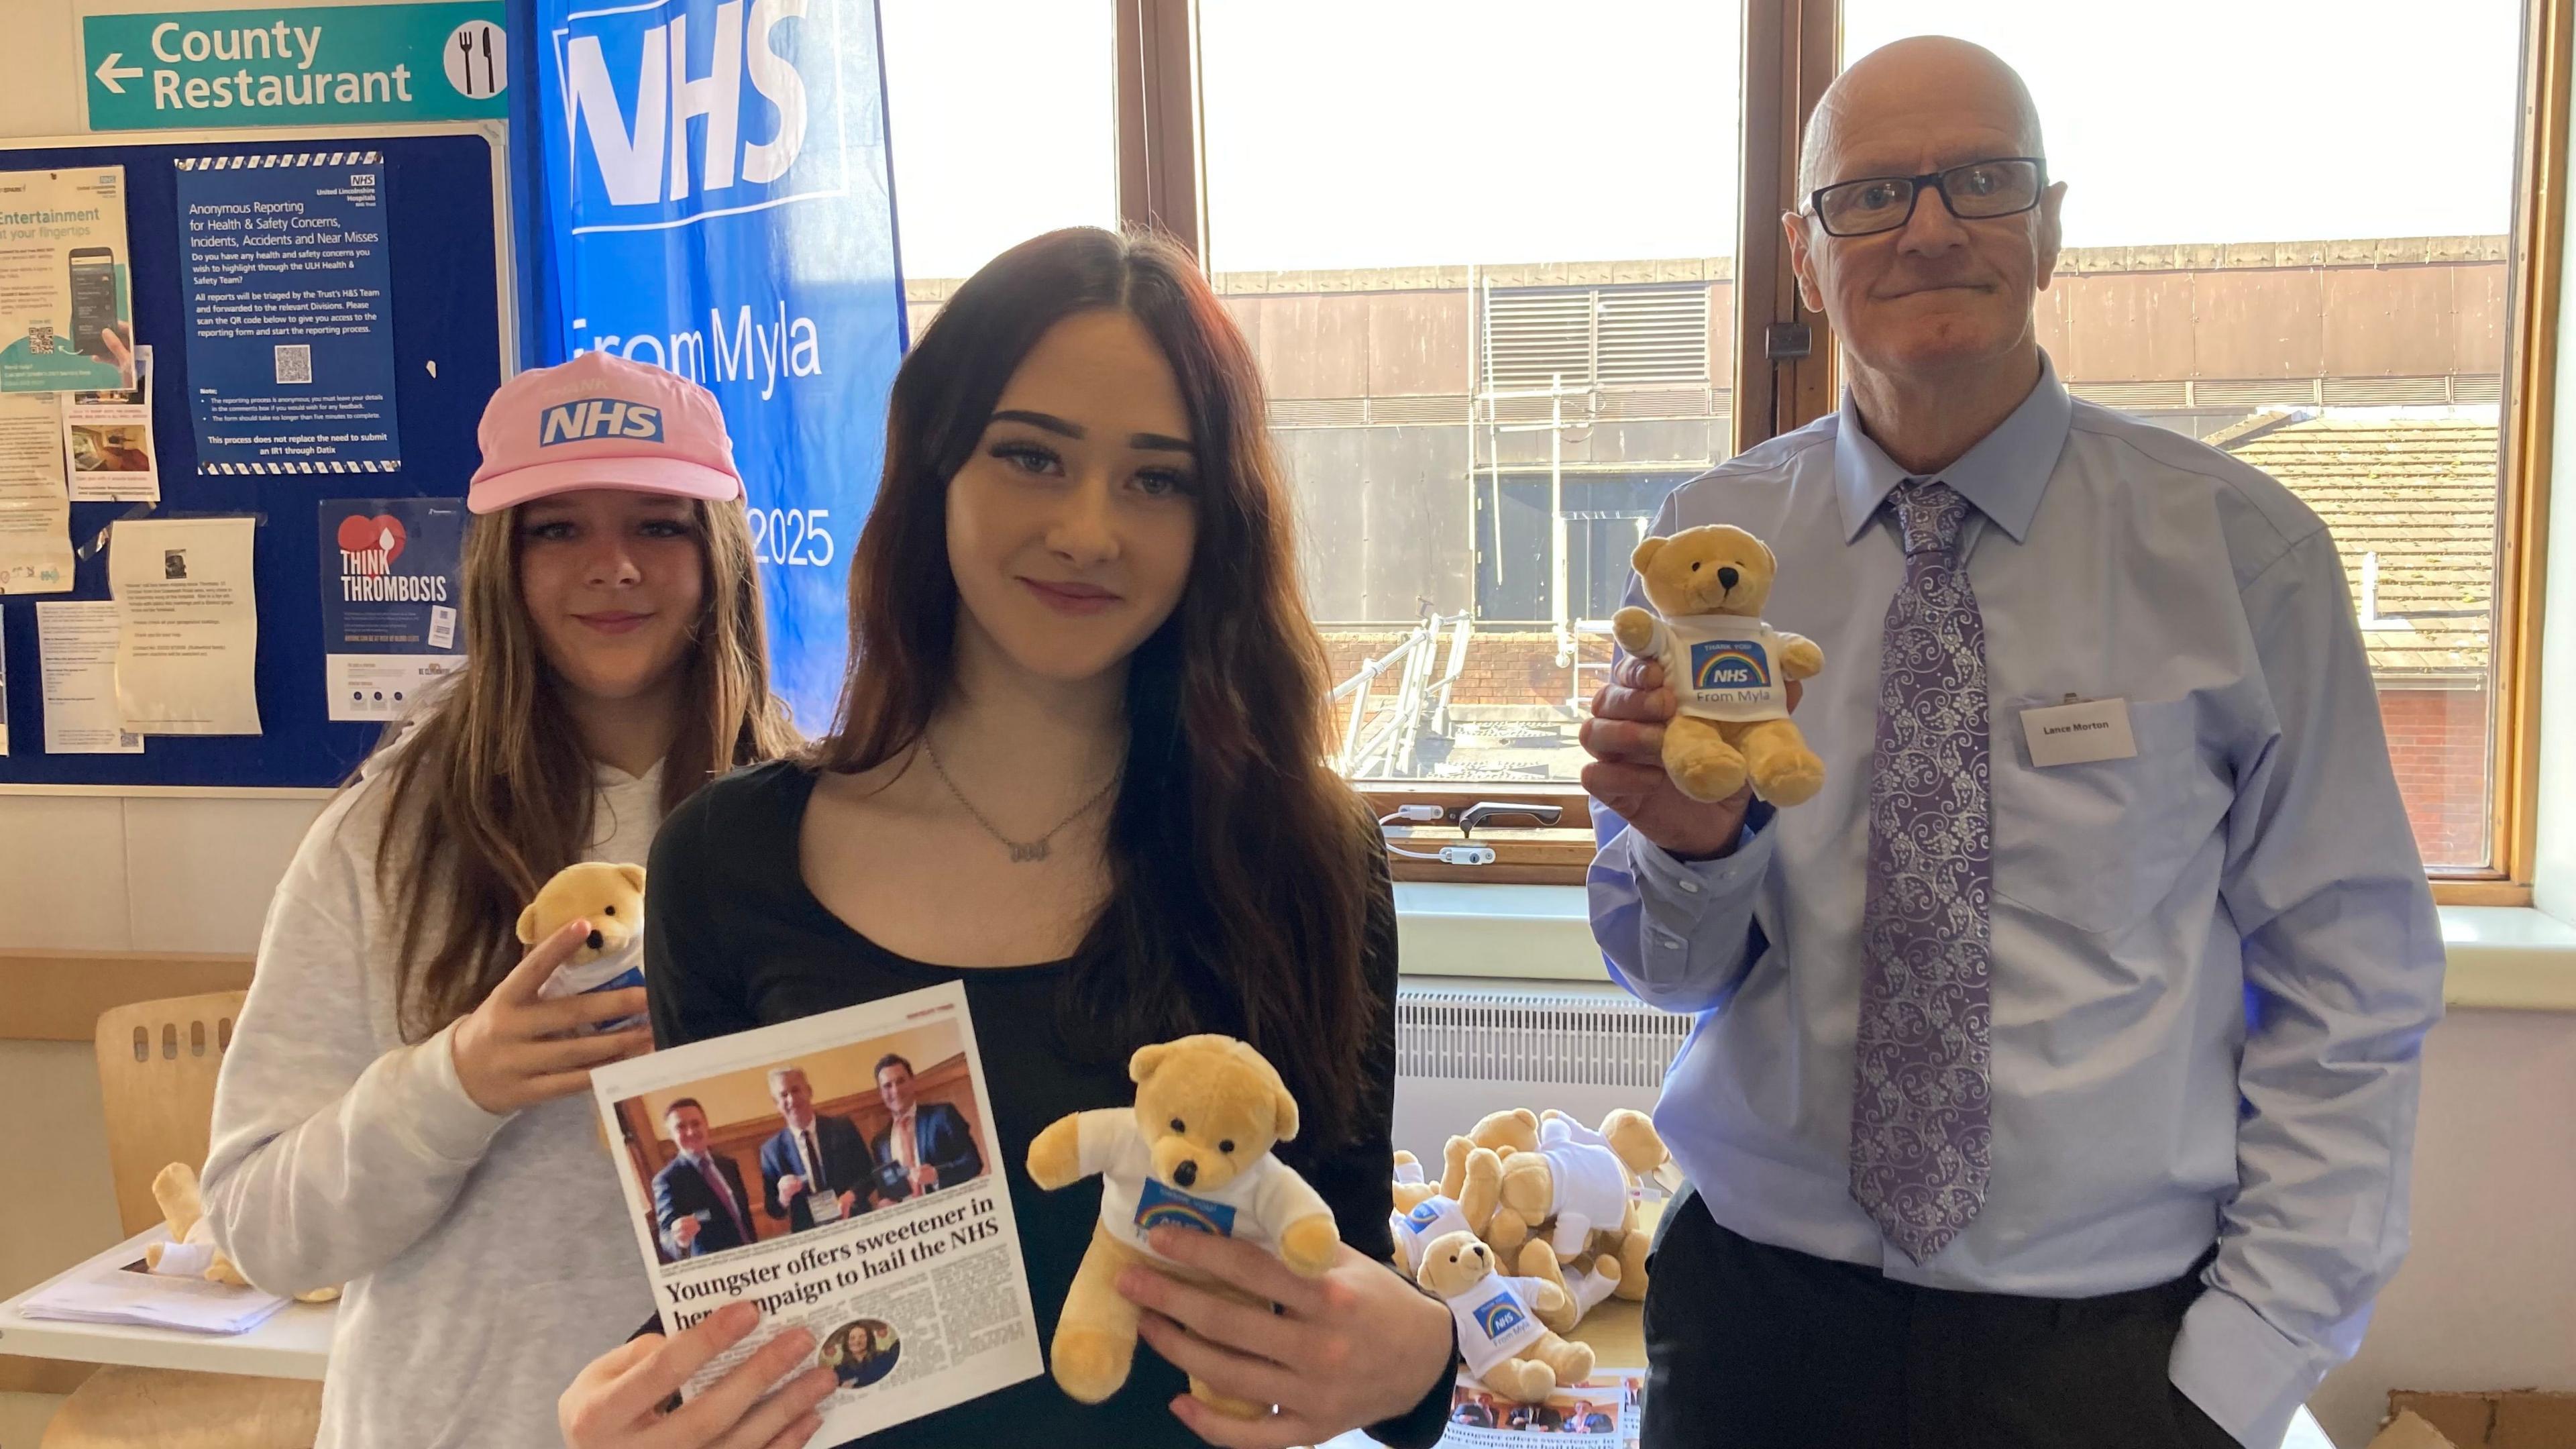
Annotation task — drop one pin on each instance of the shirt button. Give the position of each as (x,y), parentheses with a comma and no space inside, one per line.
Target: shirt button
(1691,886)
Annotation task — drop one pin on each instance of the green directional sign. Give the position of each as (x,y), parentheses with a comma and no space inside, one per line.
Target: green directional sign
(445,60)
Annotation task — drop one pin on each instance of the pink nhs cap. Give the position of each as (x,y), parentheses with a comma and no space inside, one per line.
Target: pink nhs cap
(600,421)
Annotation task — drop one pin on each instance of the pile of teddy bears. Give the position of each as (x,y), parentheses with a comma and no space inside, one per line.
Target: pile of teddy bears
(1532,1224)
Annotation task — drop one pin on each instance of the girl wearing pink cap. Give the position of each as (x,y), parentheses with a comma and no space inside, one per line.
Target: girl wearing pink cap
(398,1111)
(1079,767)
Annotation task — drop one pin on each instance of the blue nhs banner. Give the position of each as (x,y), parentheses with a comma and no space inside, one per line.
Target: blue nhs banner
(717,202)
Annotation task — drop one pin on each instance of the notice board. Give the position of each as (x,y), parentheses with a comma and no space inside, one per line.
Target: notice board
(446,207)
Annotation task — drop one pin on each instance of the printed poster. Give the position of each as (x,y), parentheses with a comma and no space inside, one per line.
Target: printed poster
(392,586)
(108,437)
(284,274)
(77,641)
(35,510)
(189,632)
(66,305)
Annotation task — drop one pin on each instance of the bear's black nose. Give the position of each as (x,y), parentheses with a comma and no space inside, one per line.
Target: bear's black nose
(1726,578)
(596,940)
(1186,1173)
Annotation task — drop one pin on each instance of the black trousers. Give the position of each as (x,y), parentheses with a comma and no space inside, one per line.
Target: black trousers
(1756,1347)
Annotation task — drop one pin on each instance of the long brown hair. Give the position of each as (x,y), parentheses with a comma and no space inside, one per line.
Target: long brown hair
(1243,873)
(492,794)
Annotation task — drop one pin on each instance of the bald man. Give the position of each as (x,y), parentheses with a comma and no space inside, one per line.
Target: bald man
(2055,1074)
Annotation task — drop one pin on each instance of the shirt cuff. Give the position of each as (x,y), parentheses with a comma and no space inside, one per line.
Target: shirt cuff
(2242,1372)
(425,1101)
(1677,892)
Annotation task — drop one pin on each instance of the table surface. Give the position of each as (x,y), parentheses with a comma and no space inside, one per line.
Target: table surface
(295,1344)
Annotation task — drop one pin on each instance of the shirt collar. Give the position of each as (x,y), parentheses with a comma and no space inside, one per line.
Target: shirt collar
(2002,476)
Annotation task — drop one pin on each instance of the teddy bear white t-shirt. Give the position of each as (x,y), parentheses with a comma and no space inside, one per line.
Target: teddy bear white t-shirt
(1255,1206)
(1431,1218)
(614,971)
(1591,1184)
(1722,666)
(1495,1321)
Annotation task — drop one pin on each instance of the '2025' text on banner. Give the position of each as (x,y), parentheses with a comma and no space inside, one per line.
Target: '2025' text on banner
(718,203)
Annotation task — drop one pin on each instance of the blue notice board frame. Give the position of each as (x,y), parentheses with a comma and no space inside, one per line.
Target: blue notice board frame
(448,217)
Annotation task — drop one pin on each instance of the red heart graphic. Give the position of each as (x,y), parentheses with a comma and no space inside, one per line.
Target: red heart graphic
(359,534)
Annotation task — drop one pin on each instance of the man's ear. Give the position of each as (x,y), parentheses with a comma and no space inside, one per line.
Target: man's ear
(2051,233)
(1802,262)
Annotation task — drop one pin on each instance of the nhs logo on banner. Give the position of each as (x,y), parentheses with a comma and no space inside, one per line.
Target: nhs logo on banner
(677,111)
(718,202)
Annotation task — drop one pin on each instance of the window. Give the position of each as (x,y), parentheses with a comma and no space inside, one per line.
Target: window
(1485,253)
(1000,115)
(2294,246)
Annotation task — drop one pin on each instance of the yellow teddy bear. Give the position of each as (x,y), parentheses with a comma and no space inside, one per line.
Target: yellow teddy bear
(1501,1330)
(1193,1153)
(1728,670)
(191,1251)
(610,897)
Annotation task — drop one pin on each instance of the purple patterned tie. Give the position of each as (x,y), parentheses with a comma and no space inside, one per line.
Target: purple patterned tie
(1921,1137)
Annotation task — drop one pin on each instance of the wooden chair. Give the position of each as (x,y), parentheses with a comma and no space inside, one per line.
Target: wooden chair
(157,1062)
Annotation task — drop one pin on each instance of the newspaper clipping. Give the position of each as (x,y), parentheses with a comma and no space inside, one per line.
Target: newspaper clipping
(840,1172)
(1607,1409)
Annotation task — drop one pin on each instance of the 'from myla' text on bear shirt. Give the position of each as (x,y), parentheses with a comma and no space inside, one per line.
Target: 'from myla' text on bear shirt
(1722,666)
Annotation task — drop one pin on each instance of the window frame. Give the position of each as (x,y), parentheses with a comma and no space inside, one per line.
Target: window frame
(1784,357)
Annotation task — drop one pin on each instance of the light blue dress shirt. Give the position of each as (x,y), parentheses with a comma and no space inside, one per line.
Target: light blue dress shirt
(2254,851)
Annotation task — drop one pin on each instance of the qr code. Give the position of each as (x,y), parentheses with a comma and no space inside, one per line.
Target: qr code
(40,338)
(295,362)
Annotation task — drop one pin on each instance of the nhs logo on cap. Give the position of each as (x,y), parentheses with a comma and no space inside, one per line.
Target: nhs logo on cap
(599,417)
(674,112)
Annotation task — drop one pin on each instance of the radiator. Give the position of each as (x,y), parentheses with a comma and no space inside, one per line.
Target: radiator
(1466,1047)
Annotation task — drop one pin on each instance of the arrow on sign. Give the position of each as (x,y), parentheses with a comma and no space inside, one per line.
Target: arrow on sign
(109,72)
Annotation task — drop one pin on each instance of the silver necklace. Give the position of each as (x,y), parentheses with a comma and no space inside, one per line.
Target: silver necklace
(1023,852)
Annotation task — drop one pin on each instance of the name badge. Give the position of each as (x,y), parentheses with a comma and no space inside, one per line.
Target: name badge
(2079,733)
(823,1206)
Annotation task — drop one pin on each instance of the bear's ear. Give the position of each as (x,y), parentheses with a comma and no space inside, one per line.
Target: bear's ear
(1647,548)
(633,876)
(528,925)
(1146,1061)
(1287,1113)
(1768,556)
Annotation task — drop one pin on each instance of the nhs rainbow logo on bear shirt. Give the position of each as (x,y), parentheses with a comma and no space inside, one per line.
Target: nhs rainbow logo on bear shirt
(1159,1206)
(1498,1315)
(1730,664)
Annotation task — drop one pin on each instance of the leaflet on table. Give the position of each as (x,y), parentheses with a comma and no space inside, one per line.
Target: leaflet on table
(191,625)
(108,437)
(66,306)
(77,643)
(114,1289)
(392,583)
(35,512)
(915,1294)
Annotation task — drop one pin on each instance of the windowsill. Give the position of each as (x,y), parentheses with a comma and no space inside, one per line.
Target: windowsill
(2510,958)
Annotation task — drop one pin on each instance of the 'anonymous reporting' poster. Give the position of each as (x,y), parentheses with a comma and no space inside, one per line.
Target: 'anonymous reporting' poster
(289,294)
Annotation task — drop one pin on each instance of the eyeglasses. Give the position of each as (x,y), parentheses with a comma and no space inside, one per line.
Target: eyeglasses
(1976,191)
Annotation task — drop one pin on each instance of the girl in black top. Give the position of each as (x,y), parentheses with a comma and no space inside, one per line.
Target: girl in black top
(1078,767)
